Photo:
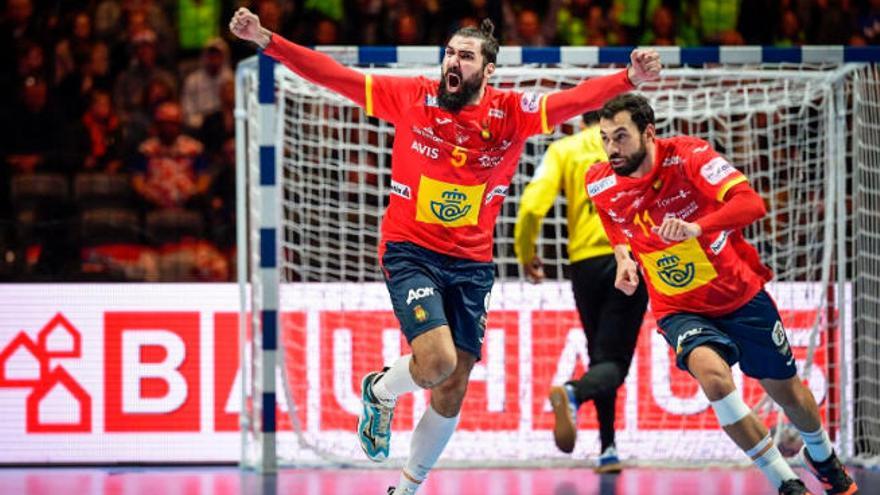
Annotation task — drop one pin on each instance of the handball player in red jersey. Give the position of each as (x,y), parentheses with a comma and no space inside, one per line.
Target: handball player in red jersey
(456,147)
(680,207)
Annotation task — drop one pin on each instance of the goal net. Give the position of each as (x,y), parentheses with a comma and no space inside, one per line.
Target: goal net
(807,137)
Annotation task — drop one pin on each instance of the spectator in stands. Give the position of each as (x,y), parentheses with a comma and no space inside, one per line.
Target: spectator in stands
(596,26)
(326,32)
(789,30)
(139,124)
(662,31)
(362,24)
(198,23)
(220,213)
(93,73)
(142,15)
(831,22)
(869,22)
(32,133)
(31,61)
(717,17)
(569,23)
(201,89)
(101,132)
(170,170)
(271,14)
(73,50)
(129,89)
(408,31)
(107,20)
(632,16)
(17,26)
(218,128)
(524,27)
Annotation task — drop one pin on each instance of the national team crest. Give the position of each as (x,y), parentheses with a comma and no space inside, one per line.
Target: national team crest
(419,313)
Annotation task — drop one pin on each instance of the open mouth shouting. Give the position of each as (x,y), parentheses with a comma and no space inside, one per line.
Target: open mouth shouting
(453,80)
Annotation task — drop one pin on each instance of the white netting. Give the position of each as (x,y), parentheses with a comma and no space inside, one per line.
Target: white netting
(778,124)
(865,249)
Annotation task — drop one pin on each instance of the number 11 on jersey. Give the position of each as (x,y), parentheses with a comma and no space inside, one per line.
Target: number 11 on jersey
(646,223)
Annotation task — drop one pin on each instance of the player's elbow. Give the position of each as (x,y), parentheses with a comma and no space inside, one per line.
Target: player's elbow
(758,206)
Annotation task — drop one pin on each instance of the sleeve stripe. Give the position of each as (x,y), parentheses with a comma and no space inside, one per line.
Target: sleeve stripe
(369,95)
(545,127)
(726,187)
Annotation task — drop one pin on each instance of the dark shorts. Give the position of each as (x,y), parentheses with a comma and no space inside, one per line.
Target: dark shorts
(752,335)
(429,289)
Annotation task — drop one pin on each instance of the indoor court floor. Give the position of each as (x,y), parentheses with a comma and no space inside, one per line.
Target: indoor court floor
(230,481)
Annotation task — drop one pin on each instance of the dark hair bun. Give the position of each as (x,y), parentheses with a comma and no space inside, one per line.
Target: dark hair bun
(487,27)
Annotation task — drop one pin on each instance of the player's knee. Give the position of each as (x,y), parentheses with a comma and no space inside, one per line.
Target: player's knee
(436,367)
(712,372)
(716,383)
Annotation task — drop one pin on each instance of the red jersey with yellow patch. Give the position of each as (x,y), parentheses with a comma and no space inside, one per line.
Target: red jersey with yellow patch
(450,172)
(712,274)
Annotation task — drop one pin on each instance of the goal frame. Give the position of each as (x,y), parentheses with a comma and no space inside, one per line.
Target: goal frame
(264,239)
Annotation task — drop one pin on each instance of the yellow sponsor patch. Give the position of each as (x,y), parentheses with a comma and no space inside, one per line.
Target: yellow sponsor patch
(452,205)
(679,268)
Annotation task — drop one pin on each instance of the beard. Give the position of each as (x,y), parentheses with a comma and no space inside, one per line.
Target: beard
(467,90)
(632,162)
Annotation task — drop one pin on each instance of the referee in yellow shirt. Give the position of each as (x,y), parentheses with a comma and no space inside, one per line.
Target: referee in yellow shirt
(610,318)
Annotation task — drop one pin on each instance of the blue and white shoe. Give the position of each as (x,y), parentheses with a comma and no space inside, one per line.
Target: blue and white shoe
(374,422)
(565,408)
(609,462)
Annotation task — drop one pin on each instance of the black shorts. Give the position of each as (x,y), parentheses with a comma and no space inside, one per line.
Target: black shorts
(429,289)
(752,335)
(611,319)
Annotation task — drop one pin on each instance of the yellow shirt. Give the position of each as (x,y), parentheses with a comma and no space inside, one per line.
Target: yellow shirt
(564,167)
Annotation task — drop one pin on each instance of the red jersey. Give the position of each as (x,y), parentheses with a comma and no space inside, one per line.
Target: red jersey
(449,171)
(713,274)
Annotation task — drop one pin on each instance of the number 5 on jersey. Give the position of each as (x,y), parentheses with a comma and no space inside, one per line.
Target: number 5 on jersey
(459,156)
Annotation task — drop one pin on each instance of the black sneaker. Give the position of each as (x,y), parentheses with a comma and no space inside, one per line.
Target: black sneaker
(831,474)
(390,491)
(793,487)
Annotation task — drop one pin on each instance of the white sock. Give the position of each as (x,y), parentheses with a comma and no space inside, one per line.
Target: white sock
(396,381)
(774,467)
(818,444)
(428,441)
(406,486)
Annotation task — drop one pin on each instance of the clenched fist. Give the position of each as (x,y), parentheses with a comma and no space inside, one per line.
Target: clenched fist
(246,25)
(645,65)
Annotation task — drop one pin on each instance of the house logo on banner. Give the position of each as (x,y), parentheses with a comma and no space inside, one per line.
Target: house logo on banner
(56,403)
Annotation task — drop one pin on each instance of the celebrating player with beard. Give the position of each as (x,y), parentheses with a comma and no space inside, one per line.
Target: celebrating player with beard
(681,207)
(456,147)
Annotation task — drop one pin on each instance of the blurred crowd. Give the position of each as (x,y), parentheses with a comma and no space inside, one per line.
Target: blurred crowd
(117,115)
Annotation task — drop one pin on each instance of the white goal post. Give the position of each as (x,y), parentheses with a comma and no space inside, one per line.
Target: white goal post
(313,180)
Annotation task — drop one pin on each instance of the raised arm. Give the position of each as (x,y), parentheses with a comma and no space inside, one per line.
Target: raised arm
(316,67)
(593,93)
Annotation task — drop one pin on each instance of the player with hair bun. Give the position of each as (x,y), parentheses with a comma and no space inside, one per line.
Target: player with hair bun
(456,147)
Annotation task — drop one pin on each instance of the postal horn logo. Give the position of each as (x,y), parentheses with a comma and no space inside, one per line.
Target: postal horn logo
(449,208)
(673,273)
